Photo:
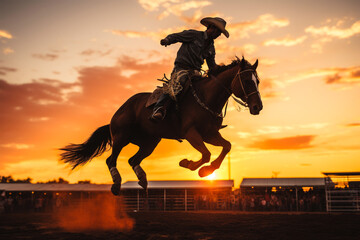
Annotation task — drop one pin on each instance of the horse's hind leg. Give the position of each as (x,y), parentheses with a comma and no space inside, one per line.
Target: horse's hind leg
(118,144)
(146,147)
(216,140)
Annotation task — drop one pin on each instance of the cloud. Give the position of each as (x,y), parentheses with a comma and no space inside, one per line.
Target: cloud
(269,88)
(5,34)
(222,46)
(336,75)
(267,62)
(348,75)
(5,70)
(287,143)
(48,113)
(91,52)
(46,57)
(326,34)
(8,51)
(286,42)
(133,34)
(335,31)
(263,24)
(155,35)
(16,146)
(353,125)
(174,7)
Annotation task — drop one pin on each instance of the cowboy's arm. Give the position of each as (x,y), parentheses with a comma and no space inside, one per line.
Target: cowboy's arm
(184,36)
(210,61)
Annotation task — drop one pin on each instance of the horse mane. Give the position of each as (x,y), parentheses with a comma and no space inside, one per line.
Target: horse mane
(223,68)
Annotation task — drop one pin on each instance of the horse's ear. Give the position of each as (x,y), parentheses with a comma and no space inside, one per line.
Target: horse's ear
(255,64)
(242,62)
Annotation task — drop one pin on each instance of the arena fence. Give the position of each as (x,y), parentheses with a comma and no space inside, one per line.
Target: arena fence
(342,191)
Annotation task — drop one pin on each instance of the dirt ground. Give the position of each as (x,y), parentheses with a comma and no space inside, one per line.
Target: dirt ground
(193,225)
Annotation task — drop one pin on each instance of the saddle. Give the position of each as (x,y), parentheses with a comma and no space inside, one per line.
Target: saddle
(156,94)
(154,97)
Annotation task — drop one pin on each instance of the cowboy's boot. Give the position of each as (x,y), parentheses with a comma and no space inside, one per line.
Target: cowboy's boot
(159,111)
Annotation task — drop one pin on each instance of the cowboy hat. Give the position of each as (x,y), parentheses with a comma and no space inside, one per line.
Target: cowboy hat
(217,22)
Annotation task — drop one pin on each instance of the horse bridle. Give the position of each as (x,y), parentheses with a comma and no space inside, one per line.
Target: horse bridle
(238,74)
(220,115)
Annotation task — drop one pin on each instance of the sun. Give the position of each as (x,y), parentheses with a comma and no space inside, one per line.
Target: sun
(211,176)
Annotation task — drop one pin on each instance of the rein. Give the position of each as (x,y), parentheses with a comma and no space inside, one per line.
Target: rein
(220,115)
(203,105)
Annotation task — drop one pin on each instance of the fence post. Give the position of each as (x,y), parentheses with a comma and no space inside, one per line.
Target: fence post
(138,201)
(185,200)
(164,199)
(297,199)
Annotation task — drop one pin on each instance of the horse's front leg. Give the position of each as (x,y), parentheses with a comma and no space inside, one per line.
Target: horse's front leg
(216,140)
(195,139)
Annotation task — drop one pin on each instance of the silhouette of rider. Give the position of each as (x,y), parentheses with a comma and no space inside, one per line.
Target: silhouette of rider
(196,46)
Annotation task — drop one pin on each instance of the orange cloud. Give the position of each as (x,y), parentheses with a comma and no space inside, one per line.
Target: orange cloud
(335,31)
(5,70)
(91,52)
(46,57)
(5,34)
(346,75)
(168,7)
(47,114)
(156,36)
(263,24)
(343,75)
(222,46)
(286,42)
(326,34)
(287,143)
(353,125)
(8,51)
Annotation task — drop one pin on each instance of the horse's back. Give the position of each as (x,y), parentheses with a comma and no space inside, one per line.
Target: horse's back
(130,110)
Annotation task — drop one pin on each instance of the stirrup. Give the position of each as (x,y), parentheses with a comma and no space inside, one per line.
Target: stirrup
(159,113)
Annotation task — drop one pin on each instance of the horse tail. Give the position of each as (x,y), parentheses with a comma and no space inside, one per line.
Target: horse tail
(79,154)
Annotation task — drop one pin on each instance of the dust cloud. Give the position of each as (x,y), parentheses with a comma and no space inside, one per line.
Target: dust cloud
(100,213)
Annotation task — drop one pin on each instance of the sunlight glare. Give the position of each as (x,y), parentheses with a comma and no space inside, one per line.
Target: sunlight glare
(211,176)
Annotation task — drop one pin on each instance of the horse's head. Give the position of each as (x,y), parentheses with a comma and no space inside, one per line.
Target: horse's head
(245,86)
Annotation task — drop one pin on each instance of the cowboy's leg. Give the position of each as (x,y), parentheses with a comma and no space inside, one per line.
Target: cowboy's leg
(159,109)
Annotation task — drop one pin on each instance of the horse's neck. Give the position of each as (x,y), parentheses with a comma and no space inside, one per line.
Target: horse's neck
(218,89)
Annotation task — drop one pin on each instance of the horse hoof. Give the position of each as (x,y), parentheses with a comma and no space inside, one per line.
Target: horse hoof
(206,171)
(115,189)
(184,163)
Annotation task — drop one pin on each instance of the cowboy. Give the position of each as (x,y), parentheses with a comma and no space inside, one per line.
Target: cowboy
(196,46)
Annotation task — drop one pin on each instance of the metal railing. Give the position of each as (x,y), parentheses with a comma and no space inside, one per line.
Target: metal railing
(342,193)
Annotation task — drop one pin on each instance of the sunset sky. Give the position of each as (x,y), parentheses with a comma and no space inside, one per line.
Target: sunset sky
(66,67)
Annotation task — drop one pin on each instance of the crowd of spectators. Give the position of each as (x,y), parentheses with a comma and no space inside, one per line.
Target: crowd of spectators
(283,201)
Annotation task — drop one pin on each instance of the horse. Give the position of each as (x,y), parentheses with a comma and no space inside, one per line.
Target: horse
(197,119)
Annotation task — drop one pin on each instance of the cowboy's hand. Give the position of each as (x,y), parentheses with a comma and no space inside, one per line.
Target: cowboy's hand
(164,42)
